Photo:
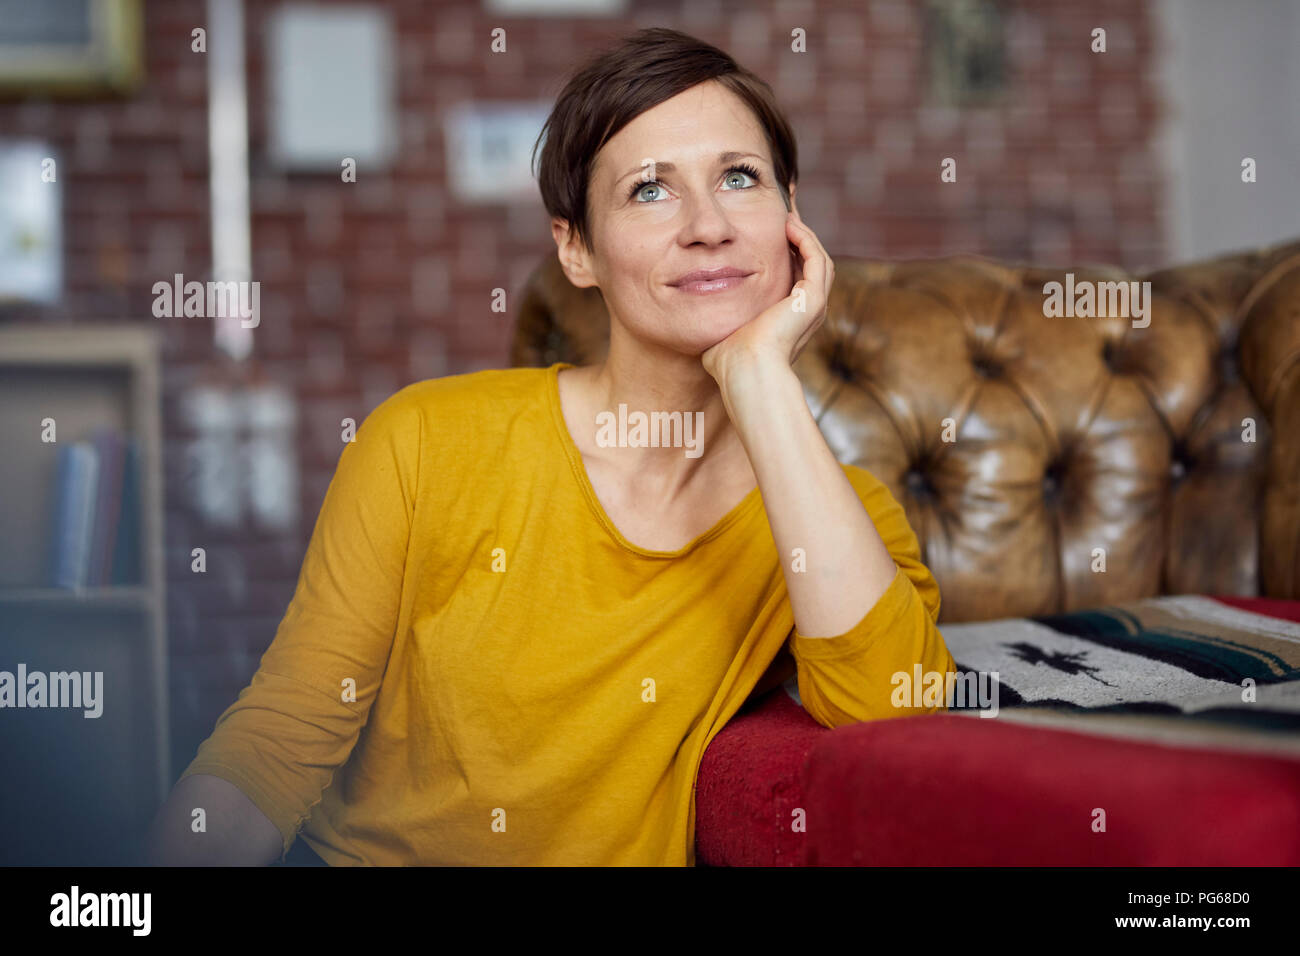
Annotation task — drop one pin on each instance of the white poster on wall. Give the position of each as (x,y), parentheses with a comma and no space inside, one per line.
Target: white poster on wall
(31,241)
(557,8)
(331,87)
(490,147)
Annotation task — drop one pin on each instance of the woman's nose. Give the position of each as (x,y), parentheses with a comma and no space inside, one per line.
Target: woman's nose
(706,221)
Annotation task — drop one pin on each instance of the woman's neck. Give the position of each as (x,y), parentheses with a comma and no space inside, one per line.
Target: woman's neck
(659,421)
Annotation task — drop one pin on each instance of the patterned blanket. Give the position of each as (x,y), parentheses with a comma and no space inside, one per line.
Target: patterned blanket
(1180,670)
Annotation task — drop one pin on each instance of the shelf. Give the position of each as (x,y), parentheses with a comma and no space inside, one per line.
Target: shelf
(103,598)
(106,775)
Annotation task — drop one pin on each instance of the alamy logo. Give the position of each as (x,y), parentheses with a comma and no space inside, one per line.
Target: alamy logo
(56,689)
(960,690)
(102,909)
(1096,300)
(211,300)
(656,430)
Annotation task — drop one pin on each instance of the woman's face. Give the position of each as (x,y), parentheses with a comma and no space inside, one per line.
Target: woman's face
(665,201)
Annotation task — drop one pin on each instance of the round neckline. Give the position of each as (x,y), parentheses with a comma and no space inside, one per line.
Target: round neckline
(571,451)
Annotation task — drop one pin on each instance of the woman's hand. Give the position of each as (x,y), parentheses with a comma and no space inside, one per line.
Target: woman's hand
(778,334)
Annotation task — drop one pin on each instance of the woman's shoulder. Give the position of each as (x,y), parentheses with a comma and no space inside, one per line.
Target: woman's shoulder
(481,394)
(466,408)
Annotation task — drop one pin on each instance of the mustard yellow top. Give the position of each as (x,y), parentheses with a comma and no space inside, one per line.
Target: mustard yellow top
(476,668)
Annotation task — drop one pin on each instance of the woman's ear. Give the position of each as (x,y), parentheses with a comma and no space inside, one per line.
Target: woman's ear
(574,257)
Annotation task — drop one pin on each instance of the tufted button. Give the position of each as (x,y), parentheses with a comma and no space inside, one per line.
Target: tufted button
(1180,462)
(1229,371)
(986,367)
(1110,355)
(839,369)
(1053,478)
(918,484)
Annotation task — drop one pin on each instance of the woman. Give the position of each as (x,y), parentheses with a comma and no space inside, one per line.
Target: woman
(525,609)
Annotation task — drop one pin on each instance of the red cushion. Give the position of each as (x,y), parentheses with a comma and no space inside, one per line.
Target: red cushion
(1271,607)
(965,790)
(750,778)
(970,791)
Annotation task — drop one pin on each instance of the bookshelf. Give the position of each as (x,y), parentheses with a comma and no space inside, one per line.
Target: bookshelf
(80,791)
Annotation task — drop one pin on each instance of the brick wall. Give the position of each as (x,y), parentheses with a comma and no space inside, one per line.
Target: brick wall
(367,287)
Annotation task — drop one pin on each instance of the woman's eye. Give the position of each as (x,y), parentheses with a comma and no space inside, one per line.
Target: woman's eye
(740,174)
(639,191)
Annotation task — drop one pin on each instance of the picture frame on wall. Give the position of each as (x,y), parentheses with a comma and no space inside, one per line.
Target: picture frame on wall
(31,237)
(70,47)
(966,52)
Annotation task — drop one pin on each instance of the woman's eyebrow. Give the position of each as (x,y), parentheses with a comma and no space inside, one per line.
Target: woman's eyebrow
(727,157)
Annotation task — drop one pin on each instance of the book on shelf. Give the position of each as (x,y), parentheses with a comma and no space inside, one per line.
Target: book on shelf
(95,520)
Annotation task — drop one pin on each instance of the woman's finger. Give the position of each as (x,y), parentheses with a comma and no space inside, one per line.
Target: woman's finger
(829,265)
(815,279)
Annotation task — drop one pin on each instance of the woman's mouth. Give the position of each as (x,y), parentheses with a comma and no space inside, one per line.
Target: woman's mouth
(708,281)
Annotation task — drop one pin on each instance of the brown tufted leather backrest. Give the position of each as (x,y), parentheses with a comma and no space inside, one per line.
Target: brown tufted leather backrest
(1032,451)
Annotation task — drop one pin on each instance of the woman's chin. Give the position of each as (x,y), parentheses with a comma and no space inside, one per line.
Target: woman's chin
(699,330)
(718,327)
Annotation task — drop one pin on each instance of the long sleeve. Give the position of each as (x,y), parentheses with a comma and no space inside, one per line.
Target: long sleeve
(296,722)
(851,677)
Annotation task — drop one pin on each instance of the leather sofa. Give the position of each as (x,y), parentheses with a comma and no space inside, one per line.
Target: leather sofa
(1071,433)
(1023,445)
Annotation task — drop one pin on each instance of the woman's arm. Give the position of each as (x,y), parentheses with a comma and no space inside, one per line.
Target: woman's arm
(280,743)
(810,503)
(865,608)
(236,833)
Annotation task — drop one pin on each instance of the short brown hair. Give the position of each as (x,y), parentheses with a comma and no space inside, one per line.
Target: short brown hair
(618,85)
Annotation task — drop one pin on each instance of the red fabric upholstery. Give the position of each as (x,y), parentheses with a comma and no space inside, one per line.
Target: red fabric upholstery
(966,791)
(962,790)
(1287,610)
(749,781)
